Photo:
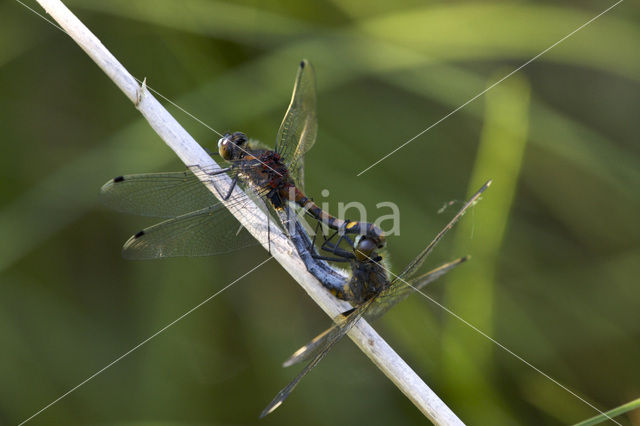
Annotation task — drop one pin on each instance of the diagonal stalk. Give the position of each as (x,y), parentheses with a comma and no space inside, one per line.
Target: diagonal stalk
(253,218)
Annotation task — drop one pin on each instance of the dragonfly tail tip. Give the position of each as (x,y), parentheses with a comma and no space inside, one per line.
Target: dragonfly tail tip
(270,408)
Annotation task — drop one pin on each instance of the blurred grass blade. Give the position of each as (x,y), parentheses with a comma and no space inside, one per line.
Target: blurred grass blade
(428,43)
(629,406)
(69,192)
(462,31)
(220,19)
(16,38)
(468,361)
(473,30)
(447,84)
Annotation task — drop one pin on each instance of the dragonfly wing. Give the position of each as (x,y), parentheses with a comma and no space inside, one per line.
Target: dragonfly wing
(258,196)
(333,336)
(208,231)
(400,289)
(156,194)
(298,130)
(310,349)
(385,301)
(415,264)
(245,190)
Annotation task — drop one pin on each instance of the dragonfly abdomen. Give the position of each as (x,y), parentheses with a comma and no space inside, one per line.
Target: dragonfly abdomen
(320,215)
(351,227)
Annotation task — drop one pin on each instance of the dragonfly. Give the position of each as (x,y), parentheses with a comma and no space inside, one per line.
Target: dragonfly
(198,224)
(373,291)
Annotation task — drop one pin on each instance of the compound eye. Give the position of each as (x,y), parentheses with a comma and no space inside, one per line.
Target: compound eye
(239,138)
(364,249)
(225,139)
(224,147)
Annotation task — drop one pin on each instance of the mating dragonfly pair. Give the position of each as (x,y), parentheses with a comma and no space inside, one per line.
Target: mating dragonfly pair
(198,224)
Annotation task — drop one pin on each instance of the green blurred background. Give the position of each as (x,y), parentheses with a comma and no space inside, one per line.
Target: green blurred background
(555,241)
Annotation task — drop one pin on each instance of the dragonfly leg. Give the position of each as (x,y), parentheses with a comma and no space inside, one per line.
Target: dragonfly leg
(231,188)
(334,249)
(345,238)
(211,153)
(315,234)
(330,259)
(219,172)
(312,246)
(268,233)
(345,256)
(325,238)
(342,236)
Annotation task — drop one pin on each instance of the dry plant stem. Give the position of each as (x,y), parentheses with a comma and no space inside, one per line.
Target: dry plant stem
(281,248)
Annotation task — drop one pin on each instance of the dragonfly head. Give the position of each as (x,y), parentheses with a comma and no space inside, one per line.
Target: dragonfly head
(365,246)
(232,146)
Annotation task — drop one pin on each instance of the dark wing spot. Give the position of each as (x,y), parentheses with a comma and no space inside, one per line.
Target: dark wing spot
(139,234)
(302,64)
(347,313)
(118,179)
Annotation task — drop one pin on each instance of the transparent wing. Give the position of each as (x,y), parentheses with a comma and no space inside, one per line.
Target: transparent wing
(209,231)
(200,225)
(399,289)
(298,130)
(255,190)
(157,194)
(415,264)
(310,349)
(385,301)
(257,195)
(333,336)
(255,145)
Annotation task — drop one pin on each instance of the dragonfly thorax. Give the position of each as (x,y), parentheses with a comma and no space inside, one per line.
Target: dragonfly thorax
(367,280)
(276,173)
